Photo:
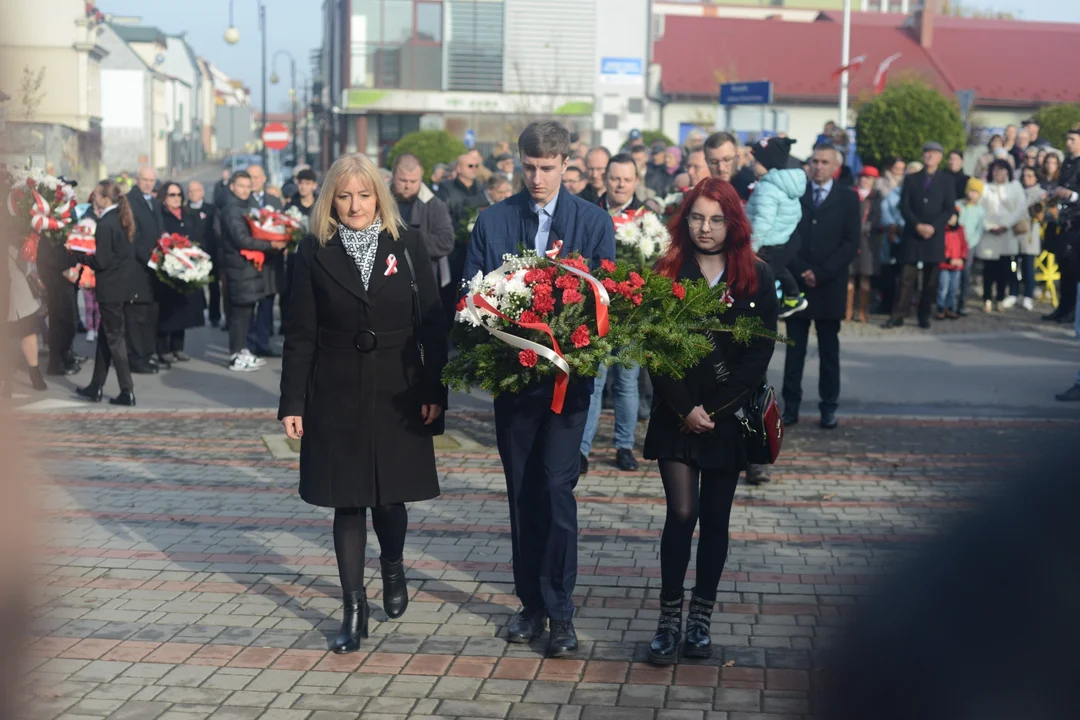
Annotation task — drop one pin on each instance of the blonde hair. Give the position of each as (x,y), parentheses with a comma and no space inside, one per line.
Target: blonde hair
(324,222)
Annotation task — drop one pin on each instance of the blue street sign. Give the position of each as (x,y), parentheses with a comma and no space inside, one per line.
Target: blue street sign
(470,138)
(747,93)
(612,66)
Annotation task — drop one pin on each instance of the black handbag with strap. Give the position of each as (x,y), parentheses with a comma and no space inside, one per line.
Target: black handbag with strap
(439,426)
(762,427)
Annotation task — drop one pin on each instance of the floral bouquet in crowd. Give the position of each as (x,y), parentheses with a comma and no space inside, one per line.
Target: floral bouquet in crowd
(640,237)
(275,226)
(300,231)
(465,228)
(181,265)
(82,238)
(537,317)
(670,205)
(44,204)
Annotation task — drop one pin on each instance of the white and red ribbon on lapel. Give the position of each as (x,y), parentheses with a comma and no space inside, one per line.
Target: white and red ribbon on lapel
(391,265)
(556,248)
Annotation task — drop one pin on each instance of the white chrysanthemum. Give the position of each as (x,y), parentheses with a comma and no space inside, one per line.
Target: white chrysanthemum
(651,224)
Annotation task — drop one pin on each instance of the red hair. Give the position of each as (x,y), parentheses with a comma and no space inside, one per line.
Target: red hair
(742,276)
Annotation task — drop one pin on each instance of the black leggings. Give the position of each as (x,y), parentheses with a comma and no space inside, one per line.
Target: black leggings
(685,504)
(350,540)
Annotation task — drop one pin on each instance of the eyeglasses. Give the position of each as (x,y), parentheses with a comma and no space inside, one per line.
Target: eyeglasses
(697,221)
(716,162)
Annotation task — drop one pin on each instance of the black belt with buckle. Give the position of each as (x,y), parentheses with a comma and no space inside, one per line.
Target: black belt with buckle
(364,341)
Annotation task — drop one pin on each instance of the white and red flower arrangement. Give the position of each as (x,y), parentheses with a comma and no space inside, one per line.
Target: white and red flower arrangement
(276,226)
(180,264)
(82,238)
(44,204)
(640,236)
(537,317)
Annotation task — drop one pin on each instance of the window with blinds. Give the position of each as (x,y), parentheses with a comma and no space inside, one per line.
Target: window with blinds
(474,45)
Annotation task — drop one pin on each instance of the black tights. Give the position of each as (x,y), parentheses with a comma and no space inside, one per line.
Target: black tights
(685,504)
(350,539)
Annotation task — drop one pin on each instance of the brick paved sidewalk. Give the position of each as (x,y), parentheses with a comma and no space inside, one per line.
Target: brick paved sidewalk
(185,579)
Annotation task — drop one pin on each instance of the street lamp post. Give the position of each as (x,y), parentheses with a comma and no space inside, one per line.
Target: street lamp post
(232,36)
(292,94)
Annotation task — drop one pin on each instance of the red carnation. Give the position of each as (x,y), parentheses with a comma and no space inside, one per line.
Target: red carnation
(567,282)
(624,289)
(678,290)
(607,266)
(528,358)
(636,299)
(543,304)
(636,280)
(575,262)
(572,297)
(535,276)
(552,271)
(580,337)
(528,316)
(542,289)
(609,285)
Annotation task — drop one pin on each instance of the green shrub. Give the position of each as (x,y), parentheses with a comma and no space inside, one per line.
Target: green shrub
(648,137)
(907,114)
(1055,121)
(430,146)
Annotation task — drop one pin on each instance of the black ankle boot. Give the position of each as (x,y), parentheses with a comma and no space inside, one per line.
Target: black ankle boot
(37,380)
(354,625)
(665,645)
(395,591)
(698,644)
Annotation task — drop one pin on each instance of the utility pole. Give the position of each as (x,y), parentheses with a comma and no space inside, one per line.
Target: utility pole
(845,58)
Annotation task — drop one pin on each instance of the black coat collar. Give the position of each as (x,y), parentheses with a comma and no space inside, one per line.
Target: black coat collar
(340,266)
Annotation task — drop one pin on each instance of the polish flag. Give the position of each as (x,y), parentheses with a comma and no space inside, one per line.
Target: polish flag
(881,76)
(852,66)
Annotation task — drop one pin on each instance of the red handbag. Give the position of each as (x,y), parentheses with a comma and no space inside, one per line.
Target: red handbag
(762,427)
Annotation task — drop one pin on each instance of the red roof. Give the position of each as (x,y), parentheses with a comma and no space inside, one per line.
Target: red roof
(1005,62)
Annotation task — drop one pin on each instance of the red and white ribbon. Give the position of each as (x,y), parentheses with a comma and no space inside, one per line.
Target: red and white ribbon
(391,265)
(41,217)
(556,248)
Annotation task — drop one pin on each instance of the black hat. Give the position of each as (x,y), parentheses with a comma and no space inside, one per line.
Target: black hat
(772,152)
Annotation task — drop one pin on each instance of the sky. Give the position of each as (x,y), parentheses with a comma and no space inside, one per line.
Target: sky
(292,25)
(296,26)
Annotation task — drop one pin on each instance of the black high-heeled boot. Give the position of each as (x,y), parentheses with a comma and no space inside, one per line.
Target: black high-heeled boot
(665,644)
(698,644)
(395,591)
(354,624)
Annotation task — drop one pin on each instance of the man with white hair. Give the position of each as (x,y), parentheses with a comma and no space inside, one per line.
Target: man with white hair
(142,313)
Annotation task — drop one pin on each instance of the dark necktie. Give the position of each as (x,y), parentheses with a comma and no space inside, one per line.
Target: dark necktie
(929,180)
(819,196)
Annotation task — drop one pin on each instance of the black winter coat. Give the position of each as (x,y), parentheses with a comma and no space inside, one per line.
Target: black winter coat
(149,227)
(932,205)
(828,240)
(245,284)
(364,444)
(180,312)
(721,384)
(117,272)
(460,199)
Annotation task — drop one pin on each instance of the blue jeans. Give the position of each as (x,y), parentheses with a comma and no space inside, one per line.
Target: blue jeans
(262,325)
(625,387)
(1026,265)
(948,288)
(965,283)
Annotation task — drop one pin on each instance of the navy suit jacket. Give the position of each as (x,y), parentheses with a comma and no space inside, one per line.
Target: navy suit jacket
(510,225)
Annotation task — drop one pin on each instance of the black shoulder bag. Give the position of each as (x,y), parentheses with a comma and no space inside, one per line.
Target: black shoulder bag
(439,426)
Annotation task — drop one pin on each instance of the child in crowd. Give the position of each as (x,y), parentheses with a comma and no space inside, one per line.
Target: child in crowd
(775,209)
(956,256)
(971,214)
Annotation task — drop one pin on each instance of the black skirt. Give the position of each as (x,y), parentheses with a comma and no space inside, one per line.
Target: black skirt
(179,312)
(720,449)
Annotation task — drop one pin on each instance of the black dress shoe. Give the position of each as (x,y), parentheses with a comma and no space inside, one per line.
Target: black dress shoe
(583,468)
(563,640)
(63,370)
(893,323)
(161,363)
(395,591)
(828,420)
(924,323)
(664,647)
(791,417)
(698,644)
(125,398)
(624,459)
(144,369)
(354,624)
(526,626)
(90,392)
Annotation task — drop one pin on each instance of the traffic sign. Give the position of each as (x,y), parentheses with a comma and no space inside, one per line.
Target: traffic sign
(470,138)
(747,93)
(276,136)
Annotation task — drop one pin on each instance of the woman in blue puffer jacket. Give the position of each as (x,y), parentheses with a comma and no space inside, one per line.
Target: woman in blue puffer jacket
(775,209)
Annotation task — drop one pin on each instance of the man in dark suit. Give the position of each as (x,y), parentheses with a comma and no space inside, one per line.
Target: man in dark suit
(829,234)
(927,201)
(142,313)
(262,324)
(204,214)
(539,448)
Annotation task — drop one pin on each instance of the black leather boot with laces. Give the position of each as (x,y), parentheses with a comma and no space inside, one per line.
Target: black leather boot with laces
(698,644)
(665,644)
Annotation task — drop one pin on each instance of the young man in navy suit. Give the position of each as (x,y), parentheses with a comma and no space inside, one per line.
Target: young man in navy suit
(539,449)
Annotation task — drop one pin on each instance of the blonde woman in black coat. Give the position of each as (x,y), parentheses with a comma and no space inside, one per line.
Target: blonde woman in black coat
(361,378)
(116,271)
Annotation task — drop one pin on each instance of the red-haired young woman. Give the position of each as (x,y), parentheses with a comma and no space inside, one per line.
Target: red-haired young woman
(693,432)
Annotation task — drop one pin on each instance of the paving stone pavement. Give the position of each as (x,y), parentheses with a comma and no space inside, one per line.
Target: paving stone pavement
(183,578)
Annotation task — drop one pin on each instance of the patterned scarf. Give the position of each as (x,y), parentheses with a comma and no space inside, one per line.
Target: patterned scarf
(361,246)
